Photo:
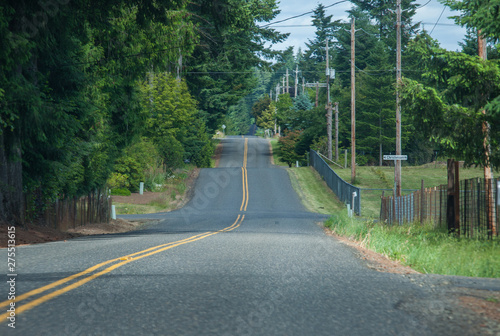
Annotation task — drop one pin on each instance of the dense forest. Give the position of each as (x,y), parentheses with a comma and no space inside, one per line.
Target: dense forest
(98,93)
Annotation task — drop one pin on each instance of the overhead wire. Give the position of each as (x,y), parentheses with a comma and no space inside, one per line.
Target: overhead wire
(439,18)
(299,15)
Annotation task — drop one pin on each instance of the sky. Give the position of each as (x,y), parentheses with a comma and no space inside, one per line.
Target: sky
(445,31)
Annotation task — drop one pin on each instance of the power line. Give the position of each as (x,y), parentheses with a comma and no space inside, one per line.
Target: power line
(297,16)
(439,18)
(423,5)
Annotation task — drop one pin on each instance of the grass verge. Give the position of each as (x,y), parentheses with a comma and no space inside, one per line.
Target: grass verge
(313,191)
(422,247)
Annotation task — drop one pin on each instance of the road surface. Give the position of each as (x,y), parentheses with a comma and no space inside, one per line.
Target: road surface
(242,258)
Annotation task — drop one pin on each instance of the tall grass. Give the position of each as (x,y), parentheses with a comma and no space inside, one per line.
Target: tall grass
(423,247)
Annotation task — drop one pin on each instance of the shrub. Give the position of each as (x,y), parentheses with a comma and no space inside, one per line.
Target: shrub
(287,144)
(120,192)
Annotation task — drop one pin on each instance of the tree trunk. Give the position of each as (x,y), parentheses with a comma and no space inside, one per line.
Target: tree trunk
(11,180)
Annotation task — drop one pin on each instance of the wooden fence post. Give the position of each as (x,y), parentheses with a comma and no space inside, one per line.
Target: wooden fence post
(450,205)
(422,195)
(457,198)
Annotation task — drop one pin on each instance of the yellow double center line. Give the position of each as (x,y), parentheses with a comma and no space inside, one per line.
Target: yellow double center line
(118,263)
(91,273)
(244,178)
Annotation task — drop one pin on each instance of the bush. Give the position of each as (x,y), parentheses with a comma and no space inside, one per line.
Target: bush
(118,180)
(287,145)
(130,167)
(120,192)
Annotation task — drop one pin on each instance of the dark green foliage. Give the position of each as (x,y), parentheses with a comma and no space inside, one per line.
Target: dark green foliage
(452,116)
(287,147)
(481,15)
(70,101)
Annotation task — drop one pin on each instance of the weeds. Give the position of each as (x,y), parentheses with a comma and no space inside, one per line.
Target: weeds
(423,247)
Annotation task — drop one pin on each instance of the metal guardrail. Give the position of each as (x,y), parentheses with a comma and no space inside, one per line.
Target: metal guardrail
(341,188)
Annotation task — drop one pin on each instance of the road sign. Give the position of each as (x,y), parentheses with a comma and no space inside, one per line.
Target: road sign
(223,126)
(396,157)
(312,85)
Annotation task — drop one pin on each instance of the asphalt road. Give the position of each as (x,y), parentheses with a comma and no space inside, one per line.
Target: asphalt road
(242,258)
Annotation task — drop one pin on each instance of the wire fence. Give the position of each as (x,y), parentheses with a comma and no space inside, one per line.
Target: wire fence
(67,213)
(346,192)
(478,208)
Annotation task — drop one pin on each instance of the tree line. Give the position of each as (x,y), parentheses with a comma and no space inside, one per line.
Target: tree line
(450,99)
(95,92)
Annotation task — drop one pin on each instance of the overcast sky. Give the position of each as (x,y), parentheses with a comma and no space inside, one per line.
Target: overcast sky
(445,31)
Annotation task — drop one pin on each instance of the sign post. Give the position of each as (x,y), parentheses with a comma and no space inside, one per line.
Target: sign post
(395,158)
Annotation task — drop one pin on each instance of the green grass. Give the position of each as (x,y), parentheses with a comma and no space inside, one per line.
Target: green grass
(422,247)
(313,191)
(383,178)
(133,209)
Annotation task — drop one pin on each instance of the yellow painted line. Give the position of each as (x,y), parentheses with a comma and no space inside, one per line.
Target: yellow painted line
(87,271)
(246,187)
(124,260)
(244,178)
(243,170)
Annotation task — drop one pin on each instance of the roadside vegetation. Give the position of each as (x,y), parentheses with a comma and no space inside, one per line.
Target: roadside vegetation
(313,191)
(168,195)
(422,247)
(276,151)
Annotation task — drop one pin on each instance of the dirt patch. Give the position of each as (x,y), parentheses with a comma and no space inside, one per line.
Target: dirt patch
(114,226)
(483,303)
(41,234)
(135,198)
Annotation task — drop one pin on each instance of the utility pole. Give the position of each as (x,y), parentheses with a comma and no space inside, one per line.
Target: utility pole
(328,104)
(336,131)
(296,79)
(353,102)
(283,85)
(317,94)
(303,85)
(397,168)
(179,66)
(287,83)
(482,50)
